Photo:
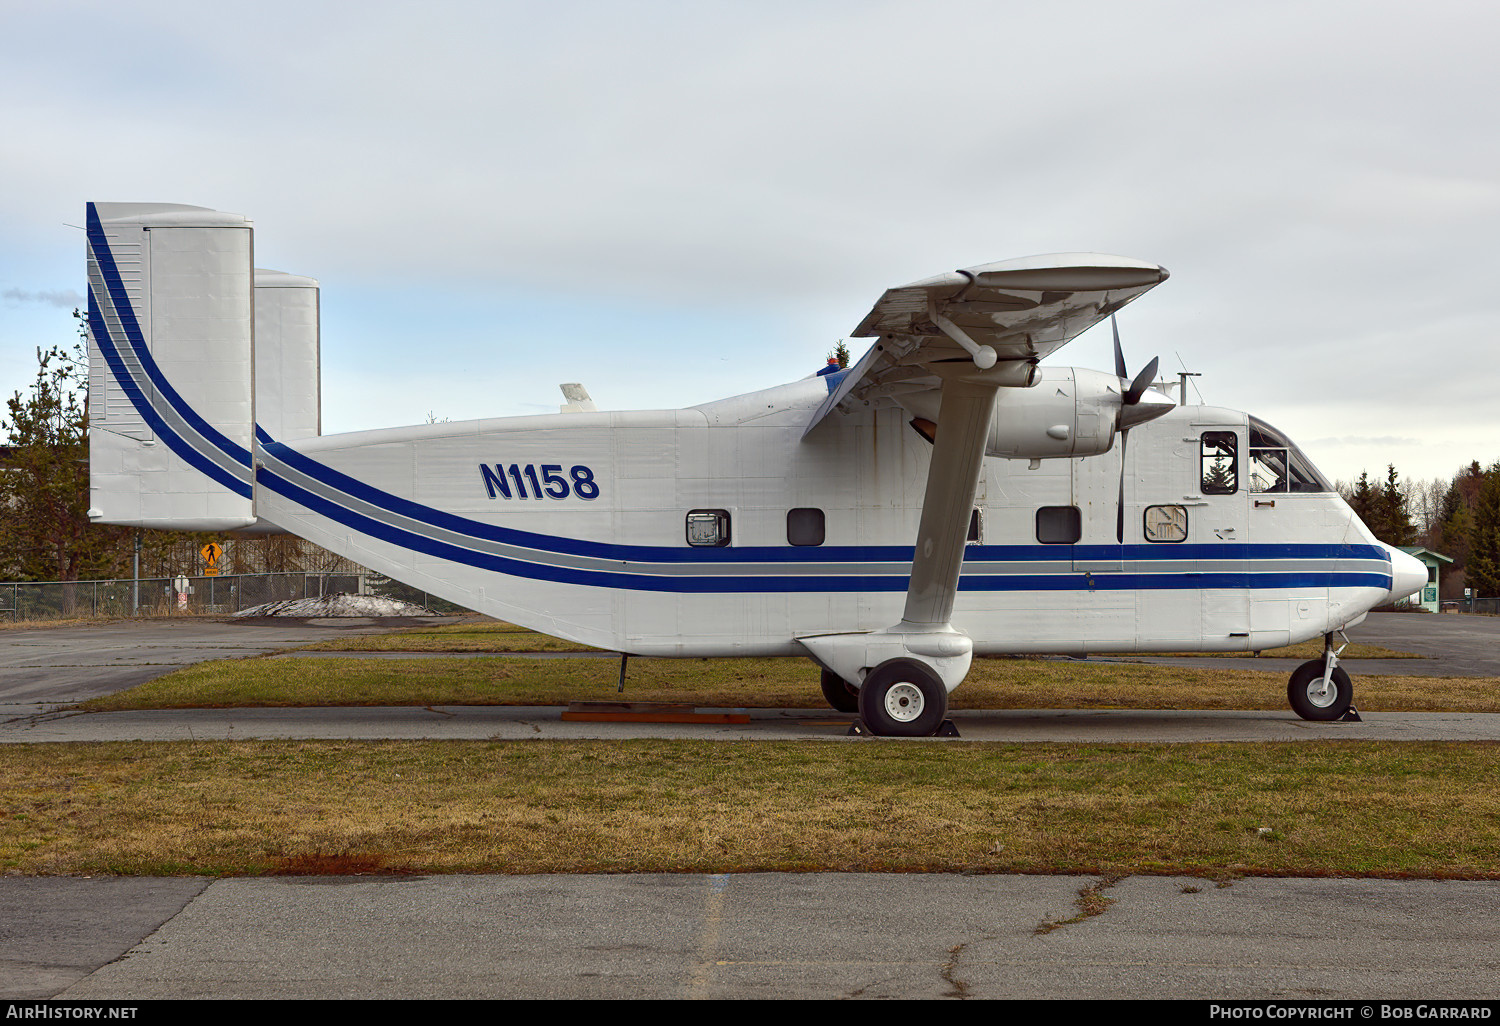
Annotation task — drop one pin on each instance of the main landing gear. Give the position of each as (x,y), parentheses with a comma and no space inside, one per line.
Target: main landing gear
(902,698)
(1320,689)
(899,698)
(839,694)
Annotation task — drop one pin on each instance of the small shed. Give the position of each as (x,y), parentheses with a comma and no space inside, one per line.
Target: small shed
(1428,597)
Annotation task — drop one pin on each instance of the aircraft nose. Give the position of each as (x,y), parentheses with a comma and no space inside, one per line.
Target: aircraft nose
(1408,574)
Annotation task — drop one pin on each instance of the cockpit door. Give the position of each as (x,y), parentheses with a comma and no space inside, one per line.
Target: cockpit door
(1217,533)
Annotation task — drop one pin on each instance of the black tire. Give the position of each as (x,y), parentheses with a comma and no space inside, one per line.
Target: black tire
(839,694)
(902,698)
(1302,692)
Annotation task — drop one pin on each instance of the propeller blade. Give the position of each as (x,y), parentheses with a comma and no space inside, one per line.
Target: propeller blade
(1119,353)
(1141,383)
(1120,509)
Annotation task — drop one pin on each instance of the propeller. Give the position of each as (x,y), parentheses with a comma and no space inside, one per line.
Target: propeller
(1130,395)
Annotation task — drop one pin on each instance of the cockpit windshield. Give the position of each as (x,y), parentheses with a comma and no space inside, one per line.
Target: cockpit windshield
(1276,465)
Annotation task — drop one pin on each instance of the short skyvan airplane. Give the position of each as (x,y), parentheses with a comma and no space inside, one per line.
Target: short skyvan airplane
(947,496)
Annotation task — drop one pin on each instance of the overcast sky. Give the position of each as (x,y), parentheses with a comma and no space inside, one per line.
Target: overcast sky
(676,202)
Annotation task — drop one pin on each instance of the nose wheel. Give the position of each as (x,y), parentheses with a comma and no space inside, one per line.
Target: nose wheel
(1320,689)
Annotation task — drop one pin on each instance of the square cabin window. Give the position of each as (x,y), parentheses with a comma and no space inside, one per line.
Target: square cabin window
(1220,461)
(1059,525)
(708,528)
(1166,523)
(804,526)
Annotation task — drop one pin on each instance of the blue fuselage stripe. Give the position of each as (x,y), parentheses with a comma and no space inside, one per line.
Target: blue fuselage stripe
(543,543)
(637,581)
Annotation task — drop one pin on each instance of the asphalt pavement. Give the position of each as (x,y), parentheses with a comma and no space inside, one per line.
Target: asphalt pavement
(48,667)
(816,936)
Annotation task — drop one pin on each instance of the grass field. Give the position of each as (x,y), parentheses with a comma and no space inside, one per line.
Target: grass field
(792,683)
(1390,809)
(1215,810)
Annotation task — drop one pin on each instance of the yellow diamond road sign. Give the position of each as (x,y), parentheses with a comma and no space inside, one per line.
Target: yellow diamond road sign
(211,553)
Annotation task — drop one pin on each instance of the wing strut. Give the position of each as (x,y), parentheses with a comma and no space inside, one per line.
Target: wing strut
(952,479)
(926,634)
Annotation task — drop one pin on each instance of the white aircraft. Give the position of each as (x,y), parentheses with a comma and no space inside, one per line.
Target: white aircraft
(947,496)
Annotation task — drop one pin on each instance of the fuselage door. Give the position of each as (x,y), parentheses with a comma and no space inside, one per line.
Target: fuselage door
(1217,534)
(1096,493)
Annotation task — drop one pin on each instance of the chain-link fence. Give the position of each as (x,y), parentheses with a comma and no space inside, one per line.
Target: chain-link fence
(194,596)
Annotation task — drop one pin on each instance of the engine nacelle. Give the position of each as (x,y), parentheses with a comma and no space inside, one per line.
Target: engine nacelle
(1069,412)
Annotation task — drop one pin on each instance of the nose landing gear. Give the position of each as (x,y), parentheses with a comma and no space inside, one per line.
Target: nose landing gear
(1320,689)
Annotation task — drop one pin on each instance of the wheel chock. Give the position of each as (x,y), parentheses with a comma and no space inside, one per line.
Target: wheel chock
(1352,716)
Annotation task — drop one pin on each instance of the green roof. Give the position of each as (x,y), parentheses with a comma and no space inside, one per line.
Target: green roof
(1419,552)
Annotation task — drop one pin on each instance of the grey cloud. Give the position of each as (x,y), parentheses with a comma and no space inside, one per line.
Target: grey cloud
(1364,440)
(53,297)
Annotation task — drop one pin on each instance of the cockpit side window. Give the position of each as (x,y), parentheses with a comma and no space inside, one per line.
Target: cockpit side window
(1276,465)
(1220,461)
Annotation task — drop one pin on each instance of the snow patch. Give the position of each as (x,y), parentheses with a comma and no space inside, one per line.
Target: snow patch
(342,604)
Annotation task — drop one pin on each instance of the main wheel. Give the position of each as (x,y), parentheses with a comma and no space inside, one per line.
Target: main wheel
(902,698)
(839,694)
(1315,697)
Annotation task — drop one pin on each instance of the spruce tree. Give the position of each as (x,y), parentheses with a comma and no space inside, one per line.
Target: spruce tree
(1484,537)
(1396,527)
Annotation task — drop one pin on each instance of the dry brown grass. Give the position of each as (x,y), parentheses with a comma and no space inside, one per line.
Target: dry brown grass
(1363,808)
(784,683)
(492,636)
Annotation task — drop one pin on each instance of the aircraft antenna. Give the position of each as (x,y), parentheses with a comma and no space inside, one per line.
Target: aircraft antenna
(1182,379)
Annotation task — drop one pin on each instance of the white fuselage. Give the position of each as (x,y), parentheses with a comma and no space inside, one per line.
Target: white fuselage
(576,525)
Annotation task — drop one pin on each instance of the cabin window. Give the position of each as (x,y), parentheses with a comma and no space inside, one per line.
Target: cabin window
(804,527)
(1276,465)
(1220,463)
(708,528)
(1059,525)
(1166,523)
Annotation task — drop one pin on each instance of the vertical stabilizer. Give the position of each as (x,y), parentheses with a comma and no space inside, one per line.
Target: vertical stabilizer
(287,372)
(171,389)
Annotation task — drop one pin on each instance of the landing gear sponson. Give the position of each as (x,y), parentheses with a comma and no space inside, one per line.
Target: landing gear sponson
(903,673)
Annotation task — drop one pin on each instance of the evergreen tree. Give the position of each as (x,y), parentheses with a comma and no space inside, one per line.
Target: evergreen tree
(1362,499)
(1453,538)
(44,489)
(1484,537)
(1395,526)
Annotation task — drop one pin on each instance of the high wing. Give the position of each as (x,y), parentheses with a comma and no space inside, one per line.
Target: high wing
(1016,311)
(966,335)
